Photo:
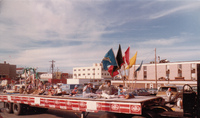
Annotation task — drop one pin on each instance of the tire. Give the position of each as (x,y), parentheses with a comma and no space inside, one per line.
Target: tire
(8,107)
(17,108)
(160,109)
(150,114)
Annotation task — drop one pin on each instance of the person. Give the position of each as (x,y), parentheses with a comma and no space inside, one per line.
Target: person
(58,91)
(87,91)
(93,89)
(107,89)
(122,94)
(87,88)
(74,91)
(120,90)
(51,90)
(169,94)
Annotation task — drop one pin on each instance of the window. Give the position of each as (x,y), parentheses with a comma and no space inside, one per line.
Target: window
(93,69)
(193,66)
(74,69)
(180,66)
(79,74)
(83,73)
(145,75)
(145,68)
(83,69)
(88,73)
(79,69)
(93,73)
(135,75)
(180,75)
(167,67)
(88,69)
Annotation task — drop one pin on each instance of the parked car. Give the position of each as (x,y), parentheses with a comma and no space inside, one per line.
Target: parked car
(140,92)
(152,91)
(67,88)
(194,89)
(175,94)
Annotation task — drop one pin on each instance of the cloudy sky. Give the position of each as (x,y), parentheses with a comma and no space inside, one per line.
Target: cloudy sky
(78,33)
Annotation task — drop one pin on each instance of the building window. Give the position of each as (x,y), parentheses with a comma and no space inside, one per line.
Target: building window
(79,74)
(145,68)
(83,73)
(93,73)
(88,73)
(179,66)
(193,76)
(167,67)
(93,69)
(145,75)
(79,69)
(135,75)
(179,74)
(193,66)
(83,69)
(88,69)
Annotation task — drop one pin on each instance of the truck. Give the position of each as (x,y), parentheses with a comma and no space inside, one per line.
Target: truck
(138,106)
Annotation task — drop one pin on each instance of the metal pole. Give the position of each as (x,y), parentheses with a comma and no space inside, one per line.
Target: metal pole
(198,91)
(52,67)
(155,68)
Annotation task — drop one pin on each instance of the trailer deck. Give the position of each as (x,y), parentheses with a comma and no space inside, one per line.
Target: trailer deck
(117,105)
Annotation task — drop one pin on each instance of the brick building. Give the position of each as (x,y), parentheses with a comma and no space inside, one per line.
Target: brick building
(7,70)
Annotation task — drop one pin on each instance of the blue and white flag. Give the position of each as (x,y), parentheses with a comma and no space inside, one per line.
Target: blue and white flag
(109,59)
(138,69)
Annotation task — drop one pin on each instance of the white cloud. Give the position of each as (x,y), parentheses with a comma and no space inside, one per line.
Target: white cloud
(162,42)
(55,22)
(163,13)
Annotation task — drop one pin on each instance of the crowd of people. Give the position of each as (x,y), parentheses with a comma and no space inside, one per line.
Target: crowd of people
(106,90)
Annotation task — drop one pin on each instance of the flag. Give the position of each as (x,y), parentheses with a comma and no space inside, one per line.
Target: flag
(138,69)
(110,70)
(132,61)
(123,61)
(109,59)
(119,59)
(127,55)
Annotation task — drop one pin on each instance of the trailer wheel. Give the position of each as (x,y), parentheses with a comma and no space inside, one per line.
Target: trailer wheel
(8,107)
(150,114)
(17,108)
(42,110)
(160,109)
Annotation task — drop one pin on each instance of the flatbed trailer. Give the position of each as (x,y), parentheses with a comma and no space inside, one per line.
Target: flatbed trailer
(139,106)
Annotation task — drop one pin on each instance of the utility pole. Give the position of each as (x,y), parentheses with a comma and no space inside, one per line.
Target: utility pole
(155,68)
(52,67)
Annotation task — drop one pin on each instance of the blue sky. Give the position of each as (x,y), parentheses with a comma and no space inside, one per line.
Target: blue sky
(78,33)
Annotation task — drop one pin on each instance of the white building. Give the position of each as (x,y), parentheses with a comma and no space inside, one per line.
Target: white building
(178,73)
(94,72)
